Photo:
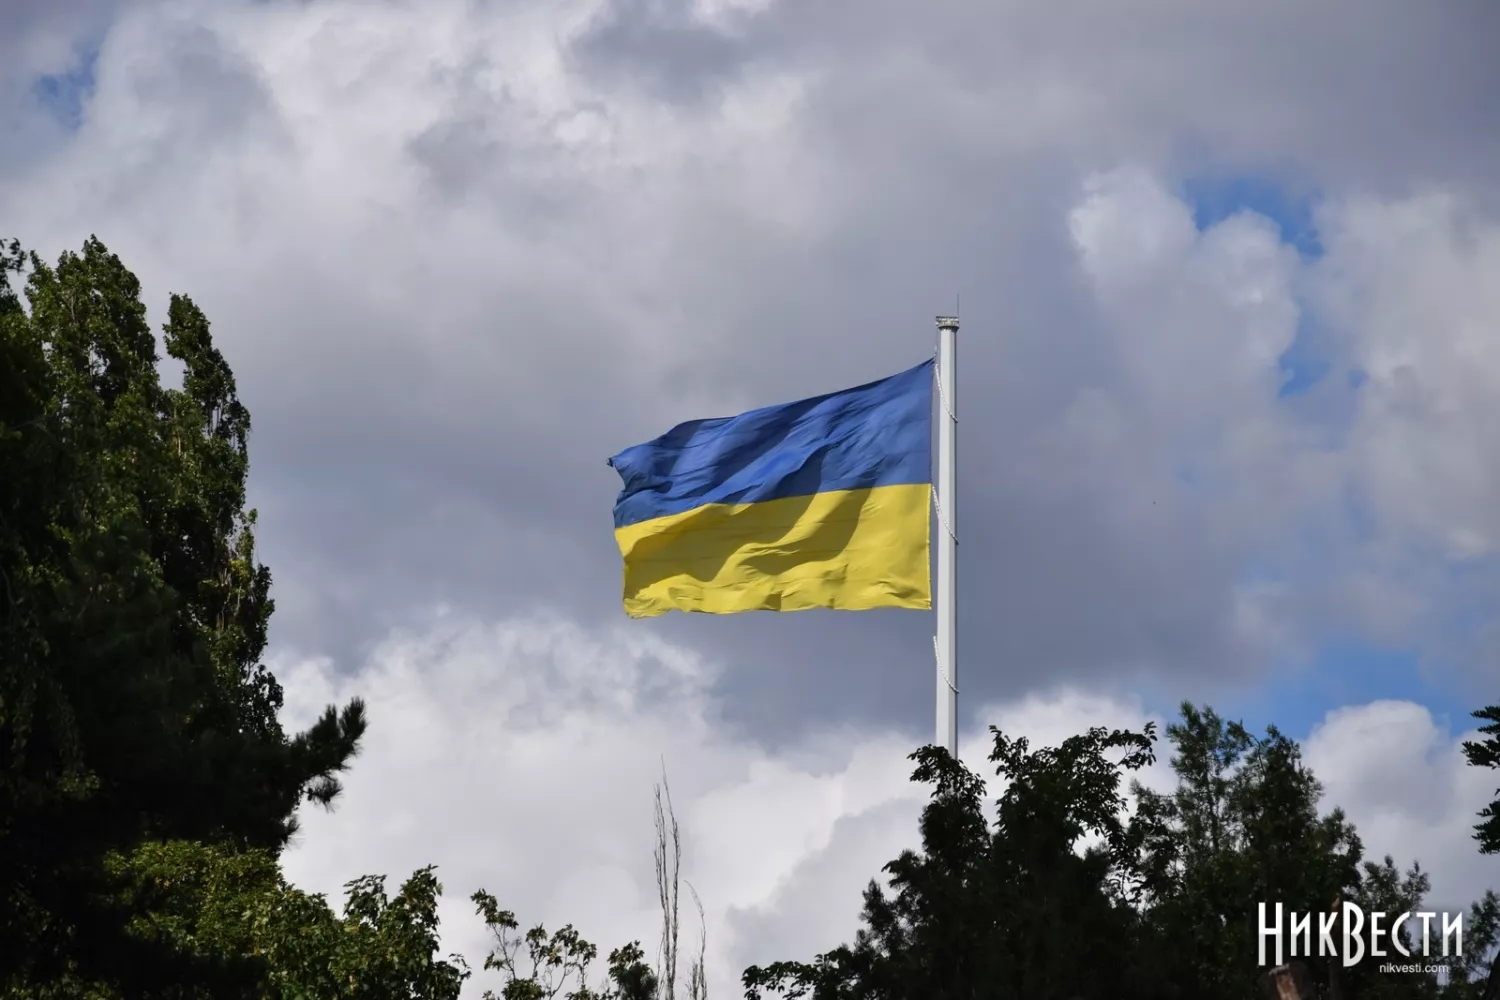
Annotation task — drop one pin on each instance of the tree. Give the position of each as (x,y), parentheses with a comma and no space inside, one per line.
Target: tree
(1476,973)
(134,707)
(1063,897)
(557,964)
(1241,828)
(1017,909)
(224,923)
(146,784)
(1384,888)
(382,949)
(1486,753)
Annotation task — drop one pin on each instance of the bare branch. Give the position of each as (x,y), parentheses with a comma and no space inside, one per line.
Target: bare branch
(698,972)
(668,862)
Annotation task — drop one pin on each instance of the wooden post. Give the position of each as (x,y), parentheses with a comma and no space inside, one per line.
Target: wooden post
(1288,982)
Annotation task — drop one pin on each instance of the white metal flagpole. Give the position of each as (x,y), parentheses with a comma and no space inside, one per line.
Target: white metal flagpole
(945,499)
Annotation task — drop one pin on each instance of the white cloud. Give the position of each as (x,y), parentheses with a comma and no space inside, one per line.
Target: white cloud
(1358,504)
(1197,321)
(1401,776)
(1411,287)
(520,756)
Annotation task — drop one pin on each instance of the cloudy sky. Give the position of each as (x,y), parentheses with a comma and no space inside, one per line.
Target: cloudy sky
(1230,392)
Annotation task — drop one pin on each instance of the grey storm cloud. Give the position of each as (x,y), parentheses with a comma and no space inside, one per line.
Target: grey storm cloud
(663,47)
(459,257)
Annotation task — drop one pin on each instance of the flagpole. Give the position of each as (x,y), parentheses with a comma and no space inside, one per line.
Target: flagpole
(946,502)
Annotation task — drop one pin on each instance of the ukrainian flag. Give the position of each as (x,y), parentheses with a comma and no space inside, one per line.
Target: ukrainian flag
(822,503)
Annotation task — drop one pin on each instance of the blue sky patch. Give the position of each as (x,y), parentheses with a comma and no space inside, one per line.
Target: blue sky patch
(1214,199)
(1346,673)
(1301,363)
(63,95)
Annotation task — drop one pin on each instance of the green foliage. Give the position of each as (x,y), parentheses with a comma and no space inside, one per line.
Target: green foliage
(146,784)
(1469,974)
(1384,888)
(382,949)
(225,924)
(540,966)
(1241,827)
(134,707)
(1486,753)
(1060,899)
(1013,909)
